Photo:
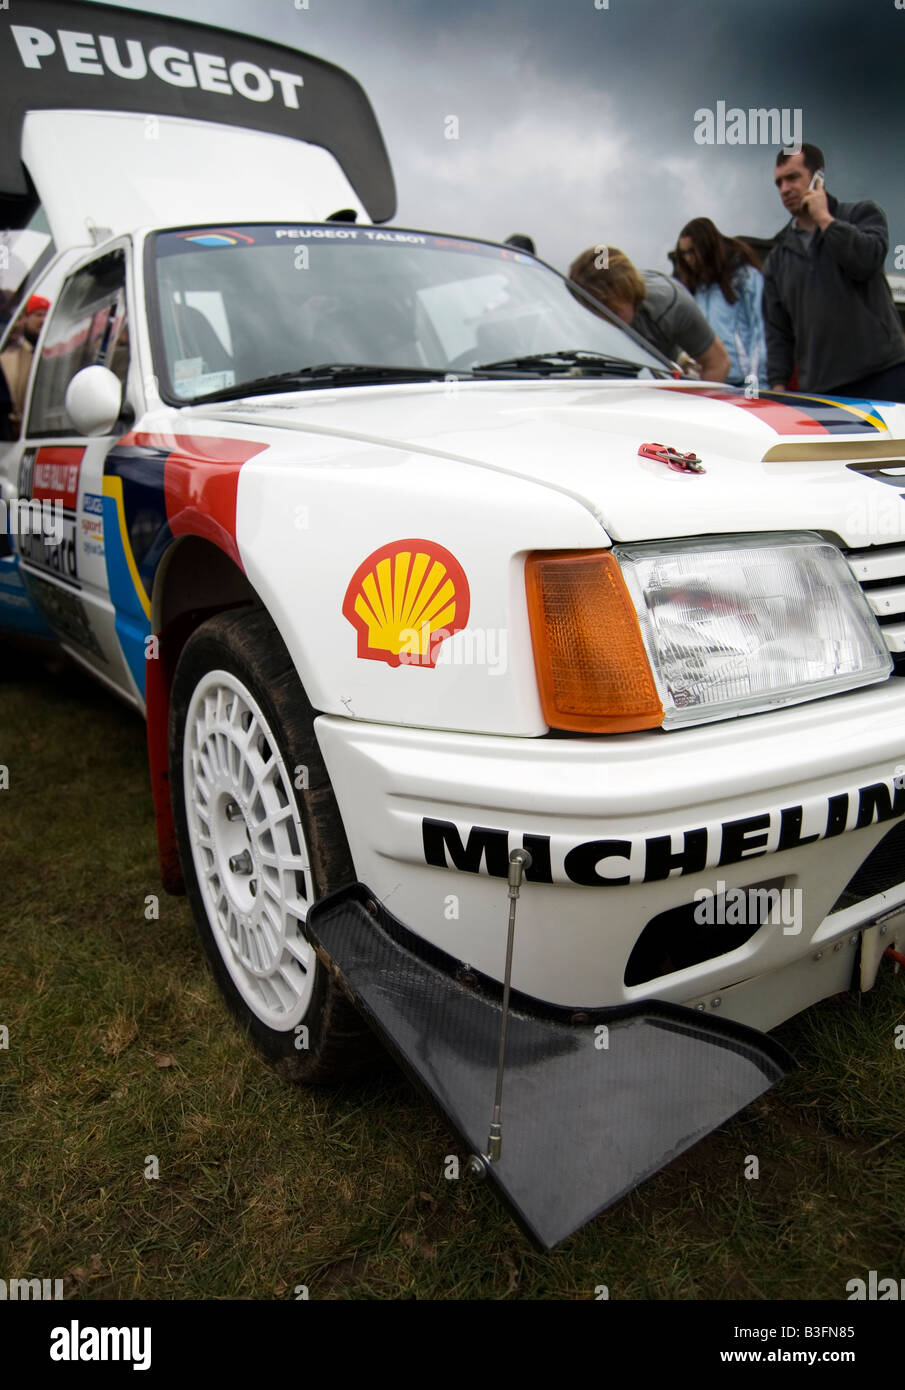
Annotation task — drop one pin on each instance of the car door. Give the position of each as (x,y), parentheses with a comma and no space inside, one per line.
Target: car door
(63,563)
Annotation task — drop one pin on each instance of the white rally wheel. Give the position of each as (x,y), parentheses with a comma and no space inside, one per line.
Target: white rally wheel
(249,849)
(260,839)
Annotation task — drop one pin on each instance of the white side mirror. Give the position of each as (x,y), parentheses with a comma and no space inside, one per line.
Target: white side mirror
(94,399)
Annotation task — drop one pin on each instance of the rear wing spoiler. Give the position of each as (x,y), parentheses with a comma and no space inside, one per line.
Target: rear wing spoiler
(64,55)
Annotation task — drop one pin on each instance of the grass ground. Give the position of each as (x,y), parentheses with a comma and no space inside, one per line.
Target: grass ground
(119,1048)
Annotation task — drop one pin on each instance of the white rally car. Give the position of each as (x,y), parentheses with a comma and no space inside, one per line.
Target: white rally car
(414,560)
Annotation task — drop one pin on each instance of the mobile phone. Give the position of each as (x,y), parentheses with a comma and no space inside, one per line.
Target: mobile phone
(817,181)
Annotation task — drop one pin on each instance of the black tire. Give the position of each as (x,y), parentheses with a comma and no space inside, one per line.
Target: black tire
(245,644)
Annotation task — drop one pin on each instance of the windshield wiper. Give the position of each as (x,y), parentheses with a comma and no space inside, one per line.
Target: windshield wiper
(339,372)
(580,361)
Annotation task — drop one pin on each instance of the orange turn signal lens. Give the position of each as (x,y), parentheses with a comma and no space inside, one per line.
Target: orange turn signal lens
(592,669)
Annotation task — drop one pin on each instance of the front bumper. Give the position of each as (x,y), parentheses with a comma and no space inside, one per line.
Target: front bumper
(625,830)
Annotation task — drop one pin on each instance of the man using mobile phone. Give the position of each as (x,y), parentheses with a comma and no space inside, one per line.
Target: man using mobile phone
(827,305)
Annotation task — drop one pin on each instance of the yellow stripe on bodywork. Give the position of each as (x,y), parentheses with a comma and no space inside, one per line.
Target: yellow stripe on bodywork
(113,487)
(876,420)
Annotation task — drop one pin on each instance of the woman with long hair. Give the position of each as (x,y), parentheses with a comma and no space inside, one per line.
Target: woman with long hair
(724,276)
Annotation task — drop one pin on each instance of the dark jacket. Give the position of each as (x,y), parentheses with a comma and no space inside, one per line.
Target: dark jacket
(829,309)
(6,431)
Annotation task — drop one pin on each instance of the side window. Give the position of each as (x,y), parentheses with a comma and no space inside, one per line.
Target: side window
(87,328)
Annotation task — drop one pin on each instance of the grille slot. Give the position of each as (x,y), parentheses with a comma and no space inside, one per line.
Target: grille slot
(881,574)
(674,940)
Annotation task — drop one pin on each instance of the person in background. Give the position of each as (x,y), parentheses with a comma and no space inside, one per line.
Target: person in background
(7,304)
(724,276)
(654,305)
(827,302)
(6,410)
(521,242)
(17,358)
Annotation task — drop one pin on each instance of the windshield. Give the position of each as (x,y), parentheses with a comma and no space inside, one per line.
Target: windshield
(238,305)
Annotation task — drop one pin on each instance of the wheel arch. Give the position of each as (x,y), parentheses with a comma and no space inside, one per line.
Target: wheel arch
(194,580)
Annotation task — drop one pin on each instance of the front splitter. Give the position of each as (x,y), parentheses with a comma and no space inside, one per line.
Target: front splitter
(594,1102)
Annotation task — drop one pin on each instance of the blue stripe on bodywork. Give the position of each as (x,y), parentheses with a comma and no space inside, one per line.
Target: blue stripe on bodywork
(132,626)
(18,611)
(144,518)
(832,413)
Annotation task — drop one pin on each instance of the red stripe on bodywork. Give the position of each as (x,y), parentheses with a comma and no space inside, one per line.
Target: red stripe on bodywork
(785,419)
(158,681)
(201,480)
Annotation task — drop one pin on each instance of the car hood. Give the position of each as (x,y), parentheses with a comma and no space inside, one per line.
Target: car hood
(185,174)
(775,462)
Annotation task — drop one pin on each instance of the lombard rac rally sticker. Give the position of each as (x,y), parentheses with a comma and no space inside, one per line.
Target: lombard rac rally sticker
(404,600)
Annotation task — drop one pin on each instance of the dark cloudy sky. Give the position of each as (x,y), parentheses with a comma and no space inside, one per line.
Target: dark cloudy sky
(577,123)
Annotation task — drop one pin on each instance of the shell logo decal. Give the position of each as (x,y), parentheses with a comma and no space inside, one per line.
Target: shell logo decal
(404,600)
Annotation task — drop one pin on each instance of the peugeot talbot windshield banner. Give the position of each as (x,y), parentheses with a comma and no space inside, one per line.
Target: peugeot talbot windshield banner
(59,54)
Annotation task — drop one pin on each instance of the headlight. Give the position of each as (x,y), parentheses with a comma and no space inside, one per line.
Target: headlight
(737,624)
(684,632)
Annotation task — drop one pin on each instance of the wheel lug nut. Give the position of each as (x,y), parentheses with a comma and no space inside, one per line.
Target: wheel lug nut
(241,863)
(232,811)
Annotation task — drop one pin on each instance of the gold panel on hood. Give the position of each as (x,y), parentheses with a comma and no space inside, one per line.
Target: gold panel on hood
(892,449)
